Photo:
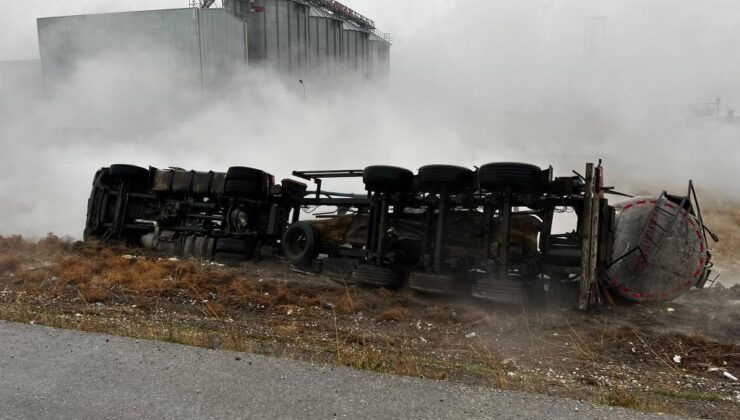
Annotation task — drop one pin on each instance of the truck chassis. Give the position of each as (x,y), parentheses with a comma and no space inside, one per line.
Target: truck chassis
(444,230)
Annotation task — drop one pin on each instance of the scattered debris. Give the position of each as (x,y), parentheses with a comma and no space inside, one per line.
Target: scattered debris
(729,375)
(677,359)
(670,310)
(470,335)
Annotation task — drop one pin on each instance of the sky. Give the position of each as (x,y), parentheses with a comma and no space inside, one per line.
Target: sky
(472,82)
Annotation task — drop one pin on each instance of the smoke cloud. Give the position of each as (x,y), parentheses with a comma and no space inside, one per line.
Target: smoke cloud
(549,82)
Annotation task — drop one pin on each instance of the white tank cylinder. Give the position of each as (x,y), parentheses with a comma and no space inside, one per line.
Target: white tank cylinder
(662,250)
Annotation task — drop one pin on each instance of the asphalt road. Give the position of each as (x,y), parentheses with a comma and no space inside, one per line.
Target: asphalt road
(47,373)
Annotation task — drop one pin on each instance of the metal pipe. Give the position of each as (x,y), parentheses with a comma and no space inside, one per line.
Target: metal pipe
(488,218)
(440,234)
(505,230)
(154,224)
(382,229)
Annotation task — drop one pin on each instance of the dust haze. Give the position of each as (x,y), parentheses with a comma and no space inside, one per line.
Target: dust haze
(471,82)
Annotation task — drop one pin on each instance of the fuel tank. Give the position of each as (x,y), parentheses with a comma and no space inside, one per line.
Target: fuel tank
(659,249)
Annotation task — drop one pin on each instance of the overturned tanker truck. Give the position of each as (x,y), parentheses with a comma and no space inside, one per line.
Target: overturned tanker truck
(444,230)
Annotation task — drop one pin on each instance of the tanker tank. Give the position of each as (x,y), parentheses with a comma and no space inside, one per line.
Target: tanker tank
(660,249)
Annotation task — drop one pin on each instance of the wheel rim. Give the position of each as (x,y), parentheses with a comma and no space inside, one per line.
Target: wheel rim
(296,242)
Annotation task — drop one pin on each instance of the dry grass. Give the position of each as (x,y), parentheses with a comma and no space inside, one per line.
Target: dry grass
(396,313)
(10,264)
(623,397)
(725,222)
(16,252)
(94,273)
(690,395)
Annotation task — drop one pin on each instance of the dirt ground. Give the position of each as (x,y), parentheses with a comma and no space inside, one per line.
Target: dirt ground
(676,358)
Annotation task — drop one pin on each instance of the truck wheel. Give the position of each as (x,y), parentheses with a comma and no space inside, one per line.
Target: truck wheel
(448,178)
(502,291)
(235,246)
(240,187)
(243,173)
(128,171)
(432,283)
(377,276)
(387,179)
(244,181)
(519,177)
(301,244)
(229,259)
(135,177)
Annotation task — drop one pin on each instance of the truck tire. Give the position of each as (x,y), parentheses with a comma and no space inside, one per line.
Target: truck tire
(128,171)
(229,259)
(447,178)
(502,291)
(377,276)
(245,181)
(234,246)
(243,173)
(518,177)
(240,187)
(301,244)
(387,179)
(432,283)
(135,177)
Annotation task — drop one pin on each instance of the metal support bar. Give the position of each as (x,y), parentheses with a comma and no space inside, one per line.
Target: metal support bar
(488,220)
(344,173)
(440,234)
(381,230)
(505,233)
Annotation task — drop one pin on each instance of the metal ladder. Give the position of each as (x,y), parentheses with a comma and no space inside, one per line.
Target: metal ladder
(661,223)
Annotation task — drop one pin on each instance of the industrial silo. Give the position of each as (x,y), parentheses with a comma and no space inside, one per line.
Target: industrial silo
(325,33)
(189,46)
(355,48)
(380,56)
(278,32)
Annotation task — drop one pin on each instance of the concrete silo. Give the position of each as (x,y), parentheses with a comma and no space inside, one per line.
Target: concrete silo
(355,48)
(192,46)
(380,56)
(325,33)
(278,32)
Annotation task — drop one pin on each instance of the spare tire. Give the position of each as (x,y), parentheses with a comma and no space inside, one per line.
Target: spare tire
(301,244)
(377,276)
(136,177)
(387,179)
(444,178)
(245,181)
(241,172)
(128,171)
(233,245)
(241,187)
(516,177)
(433,283)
